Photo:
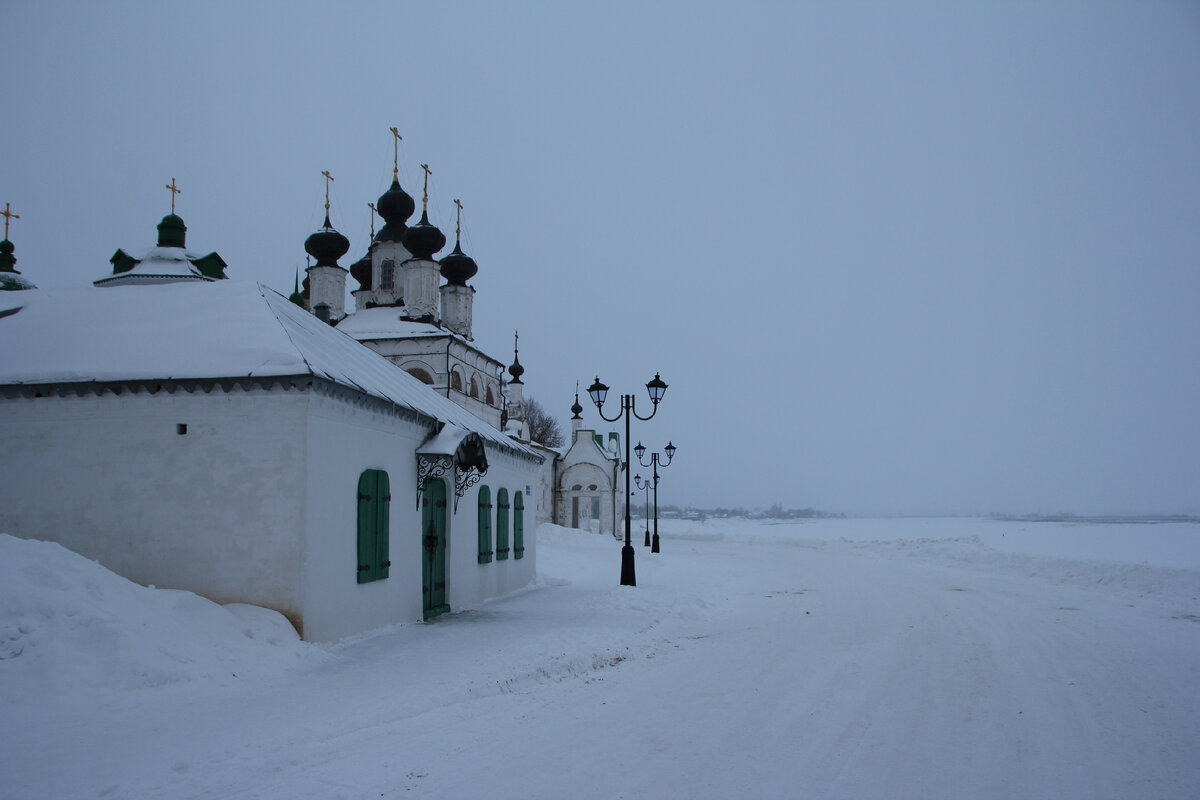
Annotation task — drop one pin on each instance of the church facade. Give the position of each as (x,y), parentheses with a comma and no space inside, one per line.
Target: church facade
(404,312)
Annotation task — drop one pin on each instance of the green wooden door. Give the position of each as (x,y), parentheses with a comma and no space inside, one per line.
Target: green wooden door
(433,549)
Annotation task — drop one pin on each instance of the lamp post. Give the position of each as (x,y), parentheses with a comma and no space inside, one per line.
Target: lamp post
(599,392)
(653,482)
(637,480)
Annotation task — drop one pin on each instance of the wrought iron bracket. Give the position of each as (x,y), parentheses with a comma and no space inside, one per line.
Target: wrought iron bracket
(432,466)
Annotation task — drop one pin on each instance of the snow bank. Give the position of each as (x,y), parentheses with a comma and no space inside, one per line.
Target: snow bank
(70,627)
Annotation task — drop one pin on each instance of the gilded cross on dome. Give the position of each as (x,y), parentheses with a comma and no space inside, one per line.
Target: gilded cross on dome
(7,213)
(396,154)
(458,219)
(425,199)
(328,178)
(174,191)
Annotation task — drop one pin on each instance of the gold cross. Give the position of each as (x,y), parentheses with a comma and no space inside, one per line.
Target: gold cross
(7,212)
(174,191)
(328,178)
(458,221)
(372,207)
(425,199)
(396,154)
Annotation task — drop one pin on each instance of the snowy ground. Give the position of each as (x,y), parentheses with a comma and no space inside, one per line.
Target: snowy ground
(957,658)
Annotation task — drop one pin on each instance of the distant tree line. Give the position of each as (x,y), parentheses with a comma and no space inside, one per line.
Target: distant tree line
(777,511)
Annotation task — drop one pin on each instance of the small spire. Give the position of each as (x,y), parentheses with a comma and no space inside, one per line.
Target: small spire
(516,370)
(9,215)
(328,179)
(425,198)
(297,297)
(458,220)
(576,409)
(174,191)
(396,154)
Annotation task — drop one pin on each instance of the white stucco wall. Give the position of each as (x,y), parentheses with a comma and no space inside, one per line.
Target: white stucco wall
(256,503)
(216,511)
(470,583)
(441,354)
(348,438)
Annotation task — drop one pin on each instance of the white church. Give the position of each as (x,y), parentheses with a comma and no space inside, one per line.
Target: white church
(198,433)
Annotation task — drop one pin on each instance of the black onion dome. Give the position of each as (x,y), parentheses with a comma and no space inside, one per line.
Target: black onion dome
(326,245)
(576,409)
(423,239)
(361,271)
(458,267)
(395,206)
(516,370)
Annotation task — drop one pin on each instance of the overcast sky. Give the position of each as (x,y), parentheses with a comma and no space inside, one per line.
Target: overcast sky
(890,257)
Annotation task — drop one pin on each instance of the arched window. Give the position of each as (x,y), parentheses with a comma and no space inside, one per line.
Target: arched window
(485,525)
(518,524)
(420,374)
(387,275)
(474,388)
(489,398)
(456,381)
(502,525)
(374,509)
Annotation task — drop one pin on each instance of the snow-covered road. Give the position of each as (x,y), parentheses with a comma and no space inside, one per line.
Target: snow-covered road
(749,662)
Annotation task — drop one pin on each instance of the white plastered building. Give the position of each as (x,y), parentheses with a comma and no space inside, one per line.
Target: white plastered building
(214,437)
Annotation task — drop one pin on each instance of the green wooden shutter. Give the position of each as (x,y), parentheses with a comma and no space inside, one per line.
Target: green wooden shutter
(502,525)
(485,525)
(518,524)
(366,527)
(374,511)
(383,507)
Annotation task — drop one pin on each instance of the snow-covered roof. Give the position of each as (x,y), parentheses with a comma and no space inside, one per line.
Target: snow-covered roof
(15,281)
(385,322)
(199,330)
(160,262)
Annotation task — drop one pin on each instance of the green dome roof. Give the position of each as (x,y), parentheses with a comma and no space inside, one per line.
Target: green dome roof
(171,231)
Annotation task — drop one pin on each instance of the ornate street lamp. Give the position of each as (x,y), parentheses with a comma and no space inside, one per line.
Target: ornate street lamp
(653,482)
(637,479)
(599,392)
